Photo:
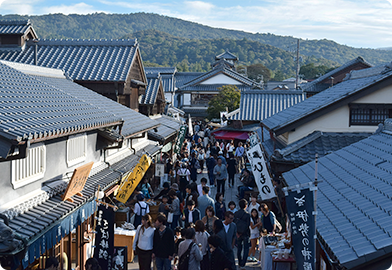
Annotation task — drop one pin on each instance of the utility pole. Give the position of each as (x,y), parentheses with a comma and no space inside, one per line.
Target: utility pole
(297,71)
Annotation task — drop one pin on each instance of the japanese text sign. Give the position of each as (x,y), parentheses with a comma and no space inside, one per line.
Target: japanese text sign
(104,238)
(300,211)
(260,172)
(180,139)
(133,179)
(78,180)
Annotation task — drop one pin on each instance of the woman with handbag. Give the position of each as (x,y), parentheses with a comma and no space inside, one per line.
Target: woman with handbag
(143,242)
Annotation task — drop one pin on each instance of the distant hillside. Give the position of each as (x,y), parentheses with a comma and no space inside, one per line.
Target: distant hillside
(198,54)
(102,25)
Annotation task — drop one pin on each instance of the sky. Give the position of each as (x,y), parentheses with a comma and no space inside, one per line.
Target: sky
(356,23)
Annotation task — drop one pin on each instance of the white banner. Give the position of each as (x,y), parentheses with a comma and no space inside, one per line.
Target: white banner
(159,170)
(260,172)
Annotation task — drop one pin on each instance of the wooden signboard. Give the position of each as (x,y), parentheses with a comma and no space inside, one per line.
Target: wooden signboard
(78,180)
(133,179)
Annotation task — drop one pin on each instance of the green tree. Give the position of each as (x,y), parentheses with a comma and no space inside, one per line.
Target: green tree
(279,76)
(312,71)
(259,71)
(229,97)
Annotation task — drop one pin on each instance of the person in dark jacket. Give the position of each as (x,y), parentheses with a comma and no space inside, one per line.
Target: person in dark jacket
(191,214)
(231,169)
(163,244)
(242,216)
(218,259)
(210,163)
(220,207)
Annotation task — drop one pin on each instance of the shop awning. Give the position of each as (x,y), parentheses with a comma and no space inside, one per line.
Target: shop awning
(231,135)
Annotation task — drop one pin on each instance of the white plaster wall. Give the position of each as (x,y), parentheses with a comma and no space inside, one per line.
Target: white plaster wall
(335,121)
(187,99)
(382,96)
(169,97)
(221,79)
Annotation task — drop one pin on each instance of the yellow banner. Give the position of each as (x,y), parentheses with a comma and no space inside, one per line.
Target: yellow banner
(133,179)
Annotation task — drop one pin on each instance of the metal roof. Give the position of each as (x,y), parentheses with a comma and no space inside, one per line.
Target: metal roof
(353,199)
(259,105)
(14,27)
(82,60)
(225,70)
(134,122)
(356,82)
(182,78)
(314,85)
(322,143)
(154,81)
(30,108)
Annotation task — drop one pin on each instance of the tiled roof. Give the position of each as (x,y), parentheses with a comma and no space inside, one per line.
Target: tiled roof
(134,122)
(161,70)
(226,55)
(314,85)
(14,27)
(82,60)
(168,83)
(259,105)
(227,71)
(322,143)
(223,61)
(30,108)
(210,87)
(353,200)
(169,126)
(182,78)
(356,82)
(154,81)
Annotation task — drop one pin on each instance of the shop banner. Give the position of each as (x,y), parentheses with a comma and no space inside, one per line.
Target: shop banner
(260,172)
(104,237)
(300,211)
(180,139)
(128,186)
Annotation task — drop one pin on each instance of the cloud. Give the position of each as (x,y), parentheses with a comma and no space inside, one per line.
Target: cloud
(22,7)
(167,9)
(79,8)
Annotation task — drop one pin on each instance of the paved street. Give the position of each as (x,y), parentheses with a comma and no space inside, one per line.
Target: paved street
(230,195)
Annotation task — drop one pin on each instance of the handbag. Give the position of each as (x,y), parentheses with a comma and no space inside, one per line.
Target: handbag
(170,217)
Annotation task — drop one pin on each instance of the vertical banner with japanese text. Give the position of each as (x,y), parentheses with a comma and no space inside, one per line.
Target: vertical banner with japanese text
(104,238)
(260,172)
(180,139)
(133,179)
(300,210)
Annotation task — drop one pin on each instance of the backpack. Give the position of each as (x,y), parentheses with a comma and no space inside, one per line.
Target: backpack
(183,262)
(242,226)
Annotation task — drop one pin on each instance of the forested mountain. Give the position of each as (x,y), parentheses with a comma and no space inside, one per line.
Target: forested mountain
(100,25)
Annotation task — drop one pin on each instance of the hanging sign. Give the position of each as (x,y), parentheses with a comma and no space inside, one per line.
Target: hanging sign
(260,172)
(300,211)
(133,179)
(180,139)
(104,238)
(159,170)
(78,180)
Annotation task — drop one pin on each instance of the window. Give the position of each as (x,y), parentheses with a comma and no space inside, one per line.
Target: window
(76,149)
(30,168)
(369,114)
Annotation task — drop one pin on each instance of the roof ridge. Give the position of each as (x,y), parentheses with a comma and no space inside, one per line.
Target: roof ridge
(85,42)
(15,22)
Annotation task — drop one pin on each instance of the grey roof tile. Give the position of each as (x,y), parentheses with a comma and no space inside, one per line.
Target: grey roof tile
(182,78)
(14,27)
(169,126)
(210,88)
(259,105)
(226,55)
(360,204)
(154,81)
(83,60)
(330,96)
(161,70)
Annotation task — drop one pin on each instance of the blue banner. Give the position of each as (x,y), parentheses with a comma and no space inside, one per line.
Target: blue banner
(300,211)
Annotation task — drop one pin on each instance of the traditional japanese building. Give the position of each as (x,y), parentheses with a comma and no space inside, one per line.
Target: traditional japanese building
(112,68)
(153,101)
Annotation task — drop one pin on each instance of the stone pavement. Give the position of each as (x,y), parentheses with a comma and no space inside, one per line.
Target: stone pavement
(230,195)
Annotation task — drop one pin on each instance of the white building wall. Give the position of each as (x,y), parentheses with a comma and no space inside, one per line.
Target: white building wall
(221,79)
(187,99)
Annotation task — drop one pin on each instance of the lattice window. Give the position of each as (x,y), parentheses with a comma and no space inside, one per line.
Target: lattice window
(31,168)
(369,114)
(76,149)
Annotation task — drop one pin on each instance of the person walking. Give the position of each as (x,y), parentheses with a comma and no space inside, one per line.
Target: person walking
(228,236)
(255,224)
(195,255)
(193,166)
(163,244)
(191,214)
(209,219)
(220,207)
(143,242)
(242,220)
(220,173)
(141,208)
(202,239)
(174,208)
(239,155)
(211,162)
(183,178)
(204,201)
(201,157)
(231,169)
(218,259)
